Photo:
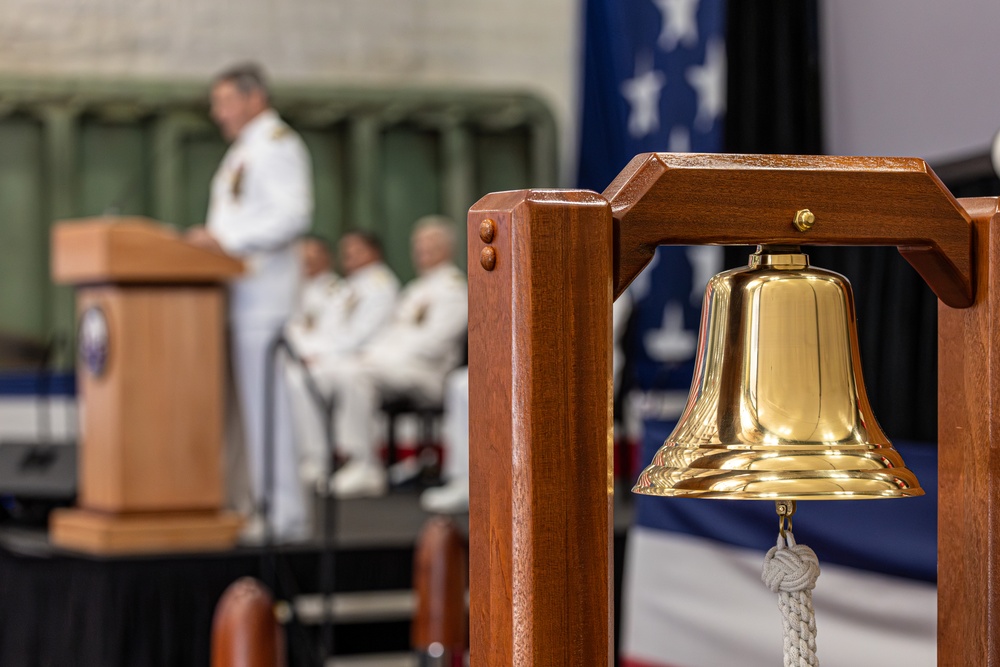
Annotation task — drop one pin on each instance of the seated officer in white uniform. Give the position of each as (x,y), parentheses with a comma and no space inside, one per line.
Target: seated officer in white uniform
(409,357)
(314,318)
(261,203)
(348,318)
(369,298)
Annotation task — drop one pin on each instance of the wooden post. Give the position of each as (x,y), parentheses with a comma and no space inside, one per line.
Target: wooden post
(440,579)
(245,632)
(969,459)
(540,408)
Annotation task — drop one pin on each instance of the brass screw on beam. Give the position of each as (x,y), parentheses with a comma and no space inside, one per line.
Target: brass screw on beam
(804,220)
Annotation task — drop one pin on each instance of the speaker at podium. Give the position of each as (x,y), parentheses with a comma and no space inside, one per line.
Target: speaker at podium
(151,379)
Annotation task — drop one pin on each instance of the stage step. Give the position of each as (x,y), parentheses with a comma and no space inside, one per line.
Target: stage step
(399,659)
(361,607)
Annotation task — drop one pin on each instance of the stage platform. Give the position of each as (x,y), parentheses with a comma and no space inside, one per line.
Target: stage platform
(69,609)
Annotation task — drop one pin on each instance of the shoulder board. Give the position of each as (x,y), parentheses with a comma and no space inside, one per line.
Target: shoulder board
(384,275)
(281,132)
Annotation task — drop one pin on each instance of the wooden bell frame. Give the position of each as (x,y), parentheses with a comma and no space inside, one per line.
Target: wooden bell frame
(544,269)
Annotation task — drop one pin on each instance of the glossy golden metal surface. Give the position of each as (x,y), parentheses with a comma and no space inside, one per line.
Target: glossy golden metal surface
(777,407)
(804,220)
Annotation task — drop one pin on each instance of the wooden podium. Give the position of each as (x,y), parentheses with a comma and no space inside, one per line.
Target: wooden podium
(150,374)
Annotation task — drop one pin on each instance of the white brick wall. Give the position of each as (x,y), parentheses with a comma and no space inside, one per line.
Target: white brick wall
(526,44)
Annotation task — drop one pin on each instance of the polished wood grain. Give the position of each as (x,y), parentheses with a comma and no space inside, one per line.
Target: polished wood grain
(143,533)
(132,249)
(150,459)
(692,199)
(540,431)
(540,375)
(152,424)
(244,630)
(440,579)
(969,459)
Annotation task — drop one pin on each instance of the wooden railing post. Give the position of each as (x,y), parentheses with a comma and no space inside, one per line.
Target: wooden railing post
(245,632)
(540,429)
(969,459)
(439,633)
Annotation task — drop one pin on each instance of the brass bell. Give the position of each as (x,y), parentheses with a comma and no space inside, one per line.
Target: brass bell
(777,408)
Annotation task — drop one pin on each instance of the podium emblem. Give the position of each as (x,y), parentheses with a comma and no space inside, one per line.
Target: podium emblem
(93,340)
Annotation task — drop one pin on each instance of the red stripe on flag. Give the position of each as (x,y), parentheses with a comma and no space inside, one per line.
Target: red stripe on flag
(632,662)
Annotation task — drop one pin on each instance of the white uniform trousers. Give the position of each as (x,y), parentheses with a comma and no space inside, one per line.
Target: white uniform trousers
(359,385)
(456,425)
(289,518)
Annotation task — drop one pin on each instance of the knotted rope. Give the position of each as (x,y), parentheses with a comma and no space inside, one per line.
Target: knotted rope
(791,570)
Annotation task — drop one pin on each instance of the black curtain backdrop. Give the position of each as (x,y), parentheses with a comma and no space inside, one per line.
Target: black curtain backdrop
(775,107)
(773,97)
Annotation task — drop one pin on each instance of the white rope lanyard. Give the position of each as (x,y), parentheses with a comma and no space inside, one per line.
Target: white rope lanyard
(791,570)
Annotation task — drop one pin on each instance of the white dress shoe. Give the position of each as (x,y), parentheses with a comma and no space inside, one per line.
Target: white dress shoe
(359,480)
(311,472)
(314,477)
(404,471)
(452,498)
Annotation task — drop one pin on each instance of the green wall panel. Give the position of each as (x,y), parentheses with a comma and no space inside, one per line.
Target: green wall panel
(329,160)
(410,188)
(202,152)
(381,159)
(502,161)
(114,168)
(23,231)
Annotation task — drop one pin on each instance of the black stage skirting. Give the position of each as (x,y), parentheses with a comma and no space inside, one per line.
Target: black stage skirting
(74,611)
(66,610)
(61,609)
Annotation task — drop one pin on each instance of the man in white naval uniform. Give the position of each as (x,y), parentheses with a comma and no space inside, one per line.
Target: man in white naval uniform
(409,357)
(349,317)
(261,202)
(370,296)
(316,314)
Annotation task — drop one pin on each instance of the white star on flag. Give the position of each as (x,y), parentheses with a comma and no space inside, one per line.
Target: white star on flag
(709,83)
(643,94)
(680,23)
(679,140)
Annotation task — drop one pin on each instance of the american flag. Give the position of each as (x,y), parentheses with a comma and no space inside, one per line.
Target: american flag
(655,80)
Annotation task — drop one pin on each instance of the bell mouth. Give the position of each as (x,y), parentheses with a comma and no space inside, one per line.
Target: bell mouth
(777,407)
(793,472)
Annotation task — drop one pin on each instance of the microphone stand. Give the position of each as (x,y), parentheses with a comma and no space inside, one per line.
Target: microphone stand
(327,512)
